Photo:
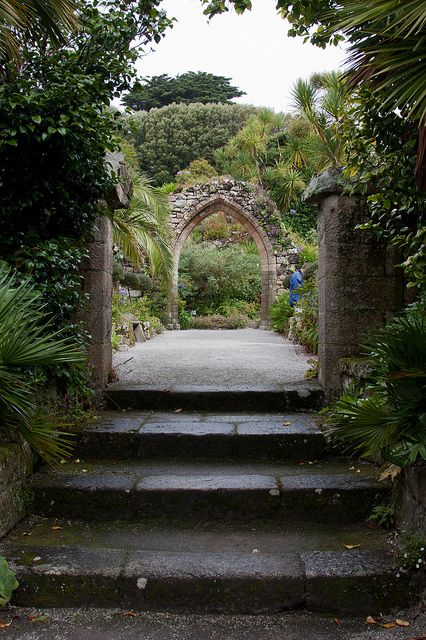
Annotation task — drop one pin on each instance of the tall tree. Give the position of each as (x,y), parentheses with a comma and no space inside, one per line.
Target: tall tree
(159,91)
(168,139)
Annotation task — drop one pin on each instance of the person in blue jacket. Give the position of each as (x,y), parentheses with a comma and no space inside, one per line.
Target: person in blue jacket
(296,281)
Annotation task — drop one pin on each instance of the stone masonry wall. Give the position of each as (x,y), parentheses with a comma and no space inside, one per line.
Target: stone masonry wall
(15,468)
(359,285)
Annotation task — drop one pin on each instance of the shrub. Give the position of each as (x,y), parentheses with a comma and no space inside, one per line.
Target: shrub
(211,277)
(390,422)
(305,327)
(281,312)
(29,343)
(197,171)
(217,321)
(169,138)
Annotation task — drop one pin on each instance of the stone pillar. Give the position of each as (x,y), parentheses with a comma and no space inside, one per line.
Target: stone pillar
(97,315)
(359,286)
(97,274)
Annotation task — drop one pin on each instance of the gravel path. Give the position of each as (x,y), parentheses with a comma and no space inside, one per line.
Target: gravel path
(103,624)
(244,357)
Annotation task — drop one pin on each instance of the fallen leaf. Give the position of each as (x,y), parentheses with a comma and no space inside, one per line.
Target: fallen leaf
(84,470)
(352,546)
(178,410)
(389,472)
(42,618)
(256,551)
(371,620)
(388,625)
(29,533)
(338,621)
(402,623)
(77,460)
(63,461)
(130,614)
(3,625)
(287,423)
(56,528)
(36,558)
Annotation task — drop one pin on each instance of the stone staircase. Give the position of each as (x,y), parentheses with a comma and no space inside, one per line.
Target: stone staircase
(223,509)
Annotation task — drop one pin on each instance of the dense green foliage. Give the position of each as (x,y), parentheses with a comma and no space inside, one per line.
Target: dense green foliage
(8,582)
(305,328)
(55,128)
(186,88)
(168,139)
(390,421)
(386,130)
(19,17)
(279,154)
(142,232)
(381,149)
(28,343)
(281,312)
(198,171)
(211,278)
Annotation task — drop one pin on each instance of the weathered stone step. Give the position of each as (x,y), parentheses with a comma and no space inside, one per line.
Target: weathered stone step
(208,490)
(300,396)
(290,437)
(167,568)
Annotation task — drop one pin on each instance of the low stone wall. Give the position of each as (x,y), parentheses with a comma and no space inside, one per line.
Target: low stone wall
(15,468)
(412,484)
(354,372)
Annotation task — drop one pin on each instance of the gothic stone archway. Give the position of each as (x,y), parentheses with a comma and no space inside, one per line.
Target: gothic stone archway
(252,208)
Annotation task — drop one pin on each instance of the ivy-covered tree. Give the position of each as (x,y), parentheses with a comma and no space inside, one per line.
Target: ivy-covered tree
(159,91)
(170,138)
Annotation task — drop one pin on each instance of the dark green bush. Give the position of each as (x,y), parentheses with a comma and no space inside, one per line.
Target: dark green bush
(211,277)
(390,421)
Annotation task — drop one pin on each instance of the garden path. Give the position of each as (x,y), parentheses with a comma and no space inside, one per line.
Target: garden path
(229,358)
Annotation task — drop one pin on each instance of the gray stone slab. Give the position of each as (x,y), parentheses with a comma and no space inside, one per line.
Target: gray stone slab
(278,428)
(195,429)
(232,582)
(73,576)
(331,482)
(352,582)
(208,483)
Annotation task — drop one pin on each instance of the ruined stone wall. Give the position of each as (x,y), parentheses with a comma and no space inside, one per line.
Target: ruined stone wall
(251,207)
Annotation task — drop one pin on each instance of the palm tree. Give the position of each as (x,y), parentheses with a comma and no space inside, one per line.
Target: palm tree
(321,102)
(27,341)
(143,230)
(18,16)
(388,53)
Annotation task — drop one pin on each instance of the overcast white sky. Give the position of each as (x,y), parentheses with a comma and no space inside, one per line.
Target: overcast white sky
(253,50)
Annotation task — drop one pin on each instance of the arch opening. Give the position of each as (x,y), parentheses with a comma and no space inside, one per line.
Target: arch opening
(263,244)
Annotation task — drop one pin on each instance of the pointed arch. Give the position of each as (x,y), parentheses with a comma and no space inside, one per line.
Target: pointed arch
(221,204)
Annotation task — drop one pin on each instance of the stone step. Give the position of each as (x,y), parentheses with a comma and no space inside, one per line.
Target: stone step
(289,437)
(300,396)
(207,490)
(217,569)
